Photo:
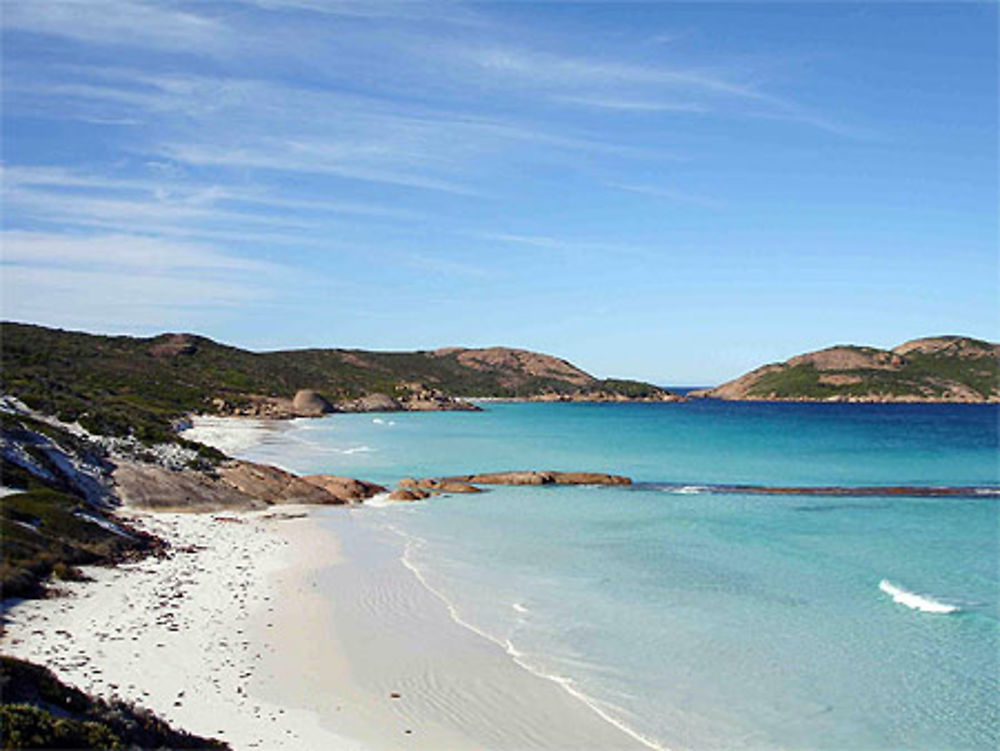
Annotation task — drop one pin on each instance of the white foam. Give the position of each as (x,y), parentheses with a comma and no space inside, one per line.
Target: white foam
(687,489)
(378,421)
(380,500)
(356,450)
(518,607)
(913,600)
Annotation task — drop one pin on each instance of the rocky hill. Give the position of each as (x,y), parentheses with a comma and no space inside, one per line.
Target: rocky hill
(935,369)
(123,385)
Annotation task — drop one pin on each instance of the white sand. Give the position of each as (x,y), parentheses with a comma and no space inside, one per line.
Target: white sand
(294,634)
(175,635)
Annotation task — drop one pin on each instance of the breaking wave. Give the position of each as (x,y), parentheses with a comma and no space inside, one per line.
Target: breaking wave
(914,601)
(686,489)
(356,450)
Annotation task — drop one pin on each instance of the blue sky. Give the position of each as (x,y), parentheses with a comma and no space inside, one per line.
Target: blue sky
(675,192)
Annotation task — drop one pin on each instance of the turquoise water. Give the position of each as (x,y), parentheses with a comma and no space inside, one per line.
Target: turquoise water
(701,620)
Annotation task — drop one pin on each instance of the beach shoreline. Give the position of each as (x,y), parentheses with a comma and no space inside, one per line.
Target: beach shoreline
(294,627)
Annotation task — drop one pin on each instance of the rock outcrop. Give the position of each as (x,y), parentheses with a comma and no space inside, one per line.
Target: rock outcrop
(153,487)
(935,369)
(376,402)
(517,366)
(273,484)
(347,489)
(411,398)
(234,485)
(467,483)
(172,345)
(446,485)
(305,403)
(602,396)
(532,477)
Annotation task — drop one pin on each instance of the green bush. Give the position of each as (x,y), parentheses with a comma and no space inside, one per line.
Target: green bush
(25,726)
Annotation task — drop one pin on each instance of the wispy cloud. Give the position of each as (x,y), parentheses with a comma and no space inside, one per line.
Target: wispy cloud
(669,194)
(191,199)
(324,131)
(576,79)
(573,248)
(74,208)
(370,162)
(446,11)
(117,23)
(109,300)
(136,252)
(542,68)
(632,104)
(116,280)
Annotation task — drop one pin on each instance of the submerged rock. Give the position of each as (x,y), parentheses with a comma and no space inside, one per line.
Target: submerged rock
(408,495)
(454,486)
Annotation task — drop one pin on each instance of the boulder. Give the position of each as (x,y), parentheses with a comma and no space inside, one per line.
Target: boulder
(454,486)
(408,495)
(347,489)
(589,478)
(309,403)
(509,478)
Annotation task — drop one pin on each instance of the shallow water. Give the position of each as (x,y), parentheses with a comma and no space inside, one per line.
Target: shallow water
(703,620)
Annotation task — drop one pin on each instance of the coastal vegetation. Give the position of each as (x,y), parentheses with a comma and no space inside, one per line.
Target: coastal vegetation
(120,385)
(37,710)
(49,532)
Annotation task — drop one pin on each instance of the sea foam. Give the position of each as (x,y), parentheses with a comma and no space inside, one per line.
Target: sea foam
(915,601)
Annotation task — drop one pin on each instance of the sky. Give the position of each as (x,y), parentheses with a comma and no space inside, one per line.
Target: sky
(676,192)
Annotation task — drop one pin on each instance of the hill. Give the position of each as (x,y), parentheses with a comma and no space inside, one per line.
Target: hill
(935,369)
(122,385)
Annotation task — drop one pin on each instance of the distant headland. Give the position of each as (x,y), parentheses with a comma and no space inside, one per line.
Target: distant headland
(934,369)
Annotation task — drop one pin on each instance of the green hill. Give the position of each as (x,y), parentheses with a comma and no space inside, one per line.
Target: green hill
(120,385)
(935,369)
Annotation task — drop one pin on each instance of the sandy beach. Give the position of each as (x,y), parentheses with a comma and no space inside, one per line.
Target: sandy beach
(295,628)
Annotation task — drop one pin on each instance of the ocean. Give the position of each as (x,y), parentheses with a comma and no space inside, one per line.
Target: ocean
(700,619)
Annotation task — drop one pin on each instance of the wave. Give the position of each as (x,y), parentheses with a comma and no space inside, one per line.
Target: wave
(914,601)
(604,710)
(380,500)
(355,450)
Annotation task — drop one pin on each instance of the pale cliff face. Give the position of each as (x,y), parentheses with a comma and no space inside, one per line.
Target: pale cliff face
(849,358)
(959,346)
(519,361)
